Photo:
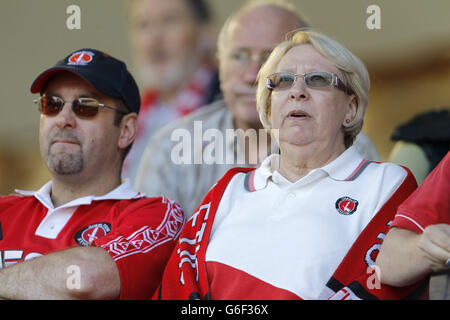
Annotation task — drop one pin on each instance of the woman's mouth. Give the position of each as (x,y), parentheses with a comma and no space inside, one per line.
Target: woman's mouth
(298,114)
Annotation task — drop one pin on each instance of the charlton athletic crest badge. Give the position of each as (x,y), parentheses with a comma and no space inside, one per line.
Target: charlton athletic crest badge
(88,234)
(346,206)
(80,58)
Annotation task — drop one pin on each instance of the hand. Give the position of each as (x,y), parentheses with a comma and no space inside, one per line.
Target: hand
(435,245)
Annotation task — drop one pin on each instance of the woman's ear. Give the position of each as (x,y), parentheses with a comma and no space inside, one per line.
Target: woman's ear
(352,109)
(128,130)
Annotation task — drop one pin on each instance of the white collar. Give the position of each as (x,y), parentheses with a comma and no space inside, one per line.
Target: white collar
(346,167)
(125,191)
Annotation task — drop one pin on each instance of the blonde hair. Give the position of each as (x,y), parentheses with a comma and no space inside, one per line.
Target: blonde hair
(356,77)
(222,39)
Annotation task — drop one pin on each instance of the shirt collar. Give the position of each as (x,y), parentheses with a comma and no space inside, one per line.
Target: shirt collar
(125,191)
(347,167)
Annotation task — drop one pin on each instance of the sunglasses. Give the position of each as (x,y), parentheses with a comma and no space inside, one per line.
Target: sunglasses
(316,79)
(82,107)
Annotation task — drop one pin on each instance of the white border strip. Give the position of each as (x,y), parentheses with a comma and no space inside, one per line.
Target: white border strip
(403,216)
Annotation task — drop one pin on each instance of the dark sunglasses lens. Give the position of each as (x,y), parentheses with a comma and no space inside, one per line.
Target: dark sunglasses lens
(319,79)
(85,107)
(282,80)
(50,105)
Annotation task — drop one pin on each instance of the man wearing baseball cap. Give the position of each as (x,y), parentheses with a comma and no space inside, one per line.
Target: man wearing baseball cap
(85,234)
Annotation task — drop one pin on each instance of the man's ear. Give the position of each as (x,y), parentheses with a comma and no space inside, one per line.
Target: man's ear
(128,130)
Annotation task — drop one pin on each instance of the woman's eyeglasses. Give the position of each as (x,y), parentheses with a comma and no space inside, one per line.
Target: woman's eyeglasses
(315,79)
(82,107)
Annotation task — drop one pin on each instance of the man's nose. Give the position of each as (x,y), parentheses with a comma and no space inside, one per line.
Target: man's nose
(254,63)
(66,117)
(251,71)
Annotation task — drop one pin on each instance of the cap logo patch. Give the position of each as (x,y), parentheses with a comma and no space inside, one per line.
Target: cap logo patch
(88,234)
(346,206)
(80,58)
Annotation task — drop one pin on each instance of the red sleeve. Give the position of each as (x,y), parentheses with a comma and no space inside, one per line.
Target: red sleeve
(140,243)
(430,203)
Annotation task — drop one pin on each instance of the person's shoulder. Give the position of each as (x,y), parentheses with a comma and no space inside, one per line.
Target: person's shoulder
(391,175)
(209,115)
(443,167)
(390,169)
(14,198)
(237,170)
(205,114)
(214,109)
(236,176)
(157,207)
(148,203)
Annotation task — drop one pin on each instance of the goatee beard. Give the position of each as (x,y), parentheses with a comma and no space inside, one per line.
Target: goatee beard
(64,163)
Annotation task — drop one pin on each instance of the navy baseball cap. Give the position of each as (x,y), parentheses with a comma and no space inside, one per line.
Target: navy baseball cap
(102,71)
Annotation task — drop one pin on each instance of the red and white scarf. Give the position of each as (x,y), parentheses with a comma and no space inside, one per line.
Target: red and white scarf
(185,276)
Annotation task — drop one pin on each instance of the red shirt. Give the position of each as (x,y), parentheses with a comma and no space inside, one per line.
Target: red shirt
(138,232)
(430,203)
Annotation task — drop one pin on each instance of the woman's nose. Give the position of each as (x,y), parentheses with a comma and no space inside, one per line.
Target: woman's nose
(299,90)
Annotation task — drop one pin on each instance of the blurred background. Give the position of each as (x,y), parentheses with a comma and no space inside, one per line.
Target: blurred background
(408,60)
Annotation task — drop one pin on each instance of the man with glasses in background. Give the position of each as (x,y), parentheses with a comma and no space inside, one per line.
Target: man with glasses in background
(245,41)
(85,234)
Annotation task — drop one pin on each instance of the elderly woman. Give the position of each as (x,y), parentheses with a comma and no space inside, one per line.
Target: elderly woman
(308,223)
